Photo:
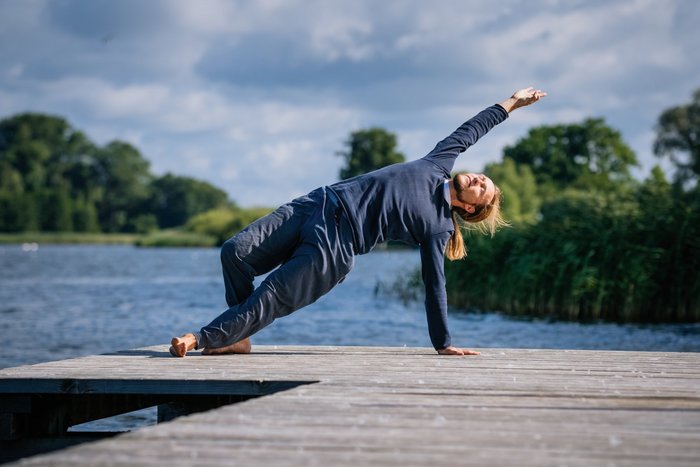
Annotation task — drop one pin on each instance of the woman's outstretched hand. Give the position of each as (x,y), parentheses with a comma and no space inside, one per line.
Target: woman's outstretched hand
(457,351)
(522,98)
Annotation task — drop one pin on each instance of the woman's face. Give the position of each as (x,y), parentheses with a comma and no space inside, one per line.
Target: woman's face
(473,190)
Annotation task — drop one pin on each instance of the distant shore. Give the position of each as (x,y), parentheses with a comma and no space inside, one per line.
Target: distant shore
(165,238)
(160,238)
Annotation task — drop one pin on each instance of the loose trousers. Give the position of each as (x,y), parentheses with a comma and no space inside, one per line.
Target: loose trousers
(311,241)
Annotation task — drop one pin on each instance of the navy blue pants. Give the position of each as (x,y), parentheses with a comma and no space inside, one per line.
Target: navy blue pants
(310,240)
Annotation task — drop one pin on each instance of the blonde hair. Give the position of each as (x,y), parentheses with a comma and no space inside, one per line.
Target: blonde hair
(486,218)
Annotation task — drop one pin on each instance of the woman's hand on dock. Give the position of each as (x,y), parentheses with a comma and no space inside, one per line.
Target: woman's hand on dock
(457,351)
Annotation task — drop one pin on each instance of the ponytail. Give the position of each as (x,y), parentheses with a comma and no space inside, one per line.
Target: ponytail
(455,245)
(486,218)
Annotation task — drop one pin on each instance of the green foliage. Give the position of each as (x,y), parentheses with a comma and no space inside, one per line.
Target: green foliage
(368,150)
(124,184)
(589,155)
(143,223)
(32,147)
(57,210)
(53,178)
(176,199)
(215,223)
(588,242)
(18,212)
(85,215)
(45,238)
(223,223)
(626,258)
(678,132)
(176,238)
(520,202)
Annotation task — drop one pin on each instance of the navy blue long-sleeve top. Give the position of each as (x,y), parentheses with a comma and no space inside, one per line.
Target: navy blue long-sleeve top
(405,202)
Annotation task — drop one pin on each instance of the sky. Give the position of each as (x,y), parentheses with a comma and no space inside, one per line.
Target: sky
(257,97)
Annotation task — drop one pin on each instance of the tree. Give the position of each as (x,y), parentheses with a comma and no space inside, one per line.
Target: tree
(368,150)
(176,199)
(518,189)
(31,175)
(84,215)
(678,132)
(18,213)
(589,155)
(52,177)
(56,210)
(17,209)
(124,179)
(222,223)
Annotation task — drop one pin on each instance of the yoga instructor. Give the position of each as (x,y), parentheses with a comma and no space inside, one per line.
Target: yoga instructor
(308,246)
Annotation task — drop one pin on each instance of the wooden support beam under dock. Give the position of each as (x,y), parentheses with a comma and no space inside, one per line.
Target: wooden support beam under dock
(375,406)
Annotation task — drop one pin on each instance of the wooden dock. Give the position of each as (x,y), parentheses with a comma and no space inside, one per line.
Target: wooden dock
(335,406)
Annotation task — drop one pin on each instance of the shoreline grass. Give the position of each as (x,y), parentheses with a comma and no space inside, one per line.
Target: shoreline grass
(162,238)
(68,238)
(176,238)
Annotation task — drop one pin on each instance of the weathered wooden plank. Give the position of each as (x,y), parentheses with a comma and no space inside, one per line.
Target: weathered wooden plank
(391,406)
(54,385)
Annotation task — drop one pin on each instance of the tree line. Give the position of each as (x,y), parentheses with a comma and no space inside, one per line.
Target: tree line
(588,241)
(53,178)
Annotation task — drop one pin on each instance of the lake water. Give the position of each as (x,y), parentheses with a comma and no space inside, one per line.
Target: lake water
(65,301)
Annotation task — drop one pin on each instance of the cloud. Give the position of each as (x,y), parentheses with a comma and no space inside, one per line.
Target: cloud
(105,100)
(256,97)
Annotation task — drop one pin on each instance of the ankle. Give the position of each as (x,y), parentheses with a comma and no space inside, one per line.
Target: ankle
(190,341)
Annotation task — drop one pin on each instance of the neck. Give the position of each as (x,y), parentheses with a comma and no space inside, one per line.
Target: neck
(453,192)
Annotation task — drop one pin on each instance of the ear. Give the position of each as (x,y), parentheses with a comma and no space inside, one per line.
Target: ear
(469,208)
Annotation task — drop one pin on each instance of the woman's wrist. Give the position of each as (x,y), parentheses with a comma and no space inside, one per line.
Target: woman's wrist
(509,104)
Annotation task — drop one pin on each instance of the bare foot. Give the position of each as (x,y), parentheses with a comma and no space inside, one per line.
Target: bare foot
(180,345)
(237,347)
(457,351)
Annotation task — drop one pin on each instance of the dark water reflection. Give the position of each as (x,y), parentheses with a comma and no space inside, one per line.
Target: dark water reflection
(65,301)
